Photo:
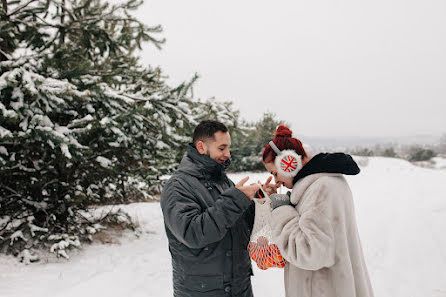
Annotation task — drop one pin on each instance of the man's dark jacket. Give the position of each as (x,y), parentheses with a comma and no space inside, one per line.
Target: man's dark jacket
(208,224)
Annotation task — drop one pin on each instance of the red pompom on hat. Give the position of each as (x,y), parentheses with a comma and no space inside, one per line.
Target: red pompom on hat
(284,131)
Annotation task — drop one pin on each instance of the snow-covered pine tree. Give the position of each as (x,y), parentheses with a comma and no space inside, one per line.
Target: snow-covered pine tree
(248,146)
(222,111)
(81,121)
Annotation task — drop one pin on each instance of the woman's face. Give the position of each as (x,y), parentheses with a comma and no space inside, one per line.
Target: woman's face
(278,178)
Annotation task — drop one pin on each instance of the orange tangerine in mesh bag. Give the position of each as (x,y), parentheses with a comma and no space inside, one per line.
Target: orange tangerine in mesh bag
(270,262)
(252,246)
(265,255)
(280,265)
(261,263)
(255,254)
(277,256)
(273,248)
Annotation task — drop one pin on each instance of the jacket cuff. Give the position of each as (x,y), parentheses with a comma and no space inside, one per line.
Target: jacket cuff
(239,198)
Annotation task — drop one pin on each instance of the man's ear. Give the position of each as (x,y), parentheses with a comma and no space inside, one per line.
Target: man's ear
(201,147)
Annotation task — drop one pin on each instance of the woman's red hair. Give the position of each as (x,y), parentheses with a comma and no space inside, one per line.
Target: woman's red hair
(284,141)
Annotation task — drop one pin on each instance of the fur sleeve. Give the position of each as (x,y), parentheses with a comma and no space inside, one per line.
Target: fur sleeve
(307,240)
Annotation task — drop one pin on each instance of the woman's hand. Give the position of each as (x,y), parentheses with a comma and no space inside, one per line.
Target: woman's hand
(269,187)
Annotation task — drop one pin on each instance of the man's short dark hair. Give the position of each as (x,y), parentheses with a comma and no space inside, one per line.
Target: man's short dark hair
(206,129)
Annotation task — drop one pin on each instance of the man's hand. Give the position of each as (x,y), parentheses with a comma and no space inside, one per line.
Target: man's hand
(247,190)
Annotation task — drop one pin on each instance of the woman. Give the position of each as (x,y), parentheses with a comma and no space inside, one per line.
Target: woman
(314,226)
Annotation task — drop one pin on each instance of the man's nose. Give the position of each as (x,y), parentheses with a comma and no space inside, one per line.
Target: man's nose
(227,155)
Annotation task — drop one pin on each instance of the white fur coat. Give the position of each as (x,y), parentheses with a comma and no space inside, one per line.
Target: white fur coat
(319,239)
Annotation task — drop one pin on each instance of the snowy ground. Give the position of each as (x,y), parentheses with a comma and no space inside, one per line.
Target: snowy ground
(401,212)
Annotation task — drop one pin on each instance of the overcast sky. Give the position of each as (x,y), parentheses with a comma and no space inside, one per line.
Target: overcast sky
(328,67)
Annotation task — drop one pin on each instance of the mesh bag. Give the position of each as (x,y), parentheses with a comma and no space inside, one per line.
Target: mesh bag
(261,247)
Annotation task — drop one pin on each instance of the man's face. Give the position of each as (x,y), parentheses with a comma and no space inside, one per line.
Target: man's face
(216,148)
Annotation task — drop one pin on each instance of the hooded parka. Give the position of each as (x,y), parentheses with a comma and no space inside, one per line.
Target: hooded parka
(208,224)
(317,234)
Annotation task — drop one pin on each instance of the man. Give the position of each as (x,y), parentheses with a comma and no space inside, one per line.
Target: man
(208,220)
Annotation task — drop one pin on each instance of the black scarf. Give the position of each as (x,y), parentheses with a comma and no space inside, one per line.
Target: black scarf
(328,163)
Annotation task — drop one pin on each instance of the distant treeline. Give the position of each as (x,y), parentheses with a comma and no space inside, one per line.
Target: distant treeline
(413,153)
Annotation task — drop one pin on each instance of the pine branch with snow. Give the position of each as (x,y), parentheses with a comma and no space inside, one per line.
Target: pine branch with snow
(81,122)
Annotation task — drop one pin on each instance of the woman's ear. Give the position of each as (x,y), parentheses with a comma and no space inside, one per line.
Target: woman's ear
(201,147)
